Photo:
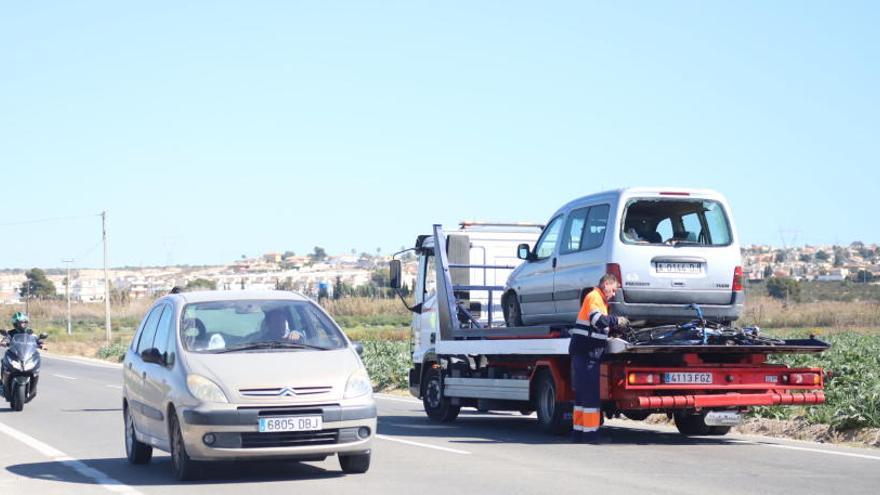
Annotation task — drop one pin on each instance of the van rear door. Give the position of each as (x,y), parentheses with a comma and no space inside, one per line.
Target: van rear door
(677,250)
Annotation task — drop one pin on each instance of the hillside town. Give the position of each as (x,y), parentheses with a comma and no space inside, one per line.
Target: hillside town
(319,275)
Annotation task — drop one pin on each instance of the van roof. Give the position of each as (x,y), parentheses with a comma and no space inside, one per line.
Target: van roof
(649,191)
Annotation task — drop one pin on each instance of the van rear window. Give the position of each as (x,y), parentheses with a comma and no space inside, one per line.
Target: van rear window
(675,222)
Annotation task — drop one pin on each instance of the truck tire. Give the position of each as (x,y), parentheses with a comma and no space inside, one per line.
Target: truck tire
(437,406)
(690,424)
(512,310)
(554,417)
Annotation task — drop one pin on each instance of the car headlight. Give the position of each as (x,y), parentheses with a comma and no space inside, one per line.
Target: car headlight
(205,390)
(358,384)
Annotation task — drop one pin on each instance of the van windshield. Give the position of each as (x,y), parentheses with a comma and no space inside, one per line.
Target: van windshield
(675,222)
(227,326)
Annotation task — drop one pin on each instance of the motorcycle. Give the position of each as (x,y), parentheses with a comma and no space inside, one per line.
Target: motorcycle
(20,368)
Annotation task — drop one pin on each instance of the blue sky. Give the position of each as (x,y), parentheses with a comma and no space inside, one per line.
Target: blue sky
(217,129)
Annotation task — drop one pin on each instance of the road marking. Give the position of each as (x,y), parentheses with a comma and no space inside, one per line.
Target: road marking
(397,399)
(425,445)
(806,449)
(82,468)
(115,386)
(65,377)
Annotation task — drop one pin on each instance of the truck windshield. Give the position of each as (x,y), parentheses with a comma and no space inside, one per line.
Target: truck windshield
(220,326)
(675,222)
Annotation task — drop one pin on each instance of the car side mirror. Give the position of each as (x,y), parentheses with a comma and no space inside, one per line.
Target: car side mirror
(358,347)
(394,274)
(152,355)
(523,252)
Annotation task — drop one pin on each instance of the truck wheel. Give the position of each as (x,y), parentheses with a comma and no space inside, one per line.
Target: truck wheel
(689,424)
(438,407)
(512,311)
(551,413)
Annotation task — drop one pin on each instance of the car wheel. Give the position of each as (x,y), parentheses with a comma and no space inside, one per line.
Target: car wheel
(136,451)
(552,417)
(183,467)
(437,406)
(512,311)
(356,463)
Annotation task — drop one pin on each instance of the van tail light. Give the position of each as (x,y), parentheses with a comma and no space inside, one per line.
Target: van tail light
(614,269)
(738,279)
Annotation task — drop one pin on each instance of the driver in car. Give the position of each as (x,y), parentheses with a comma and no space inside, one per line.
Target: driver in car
(277,328)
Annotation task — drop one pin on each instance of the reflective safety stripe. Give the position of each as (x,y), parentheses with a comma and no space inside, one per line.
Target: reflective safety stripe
(591,420)
(594,317)
(587,333)
(583,323)
(577,418)
(586,429)
(577,427)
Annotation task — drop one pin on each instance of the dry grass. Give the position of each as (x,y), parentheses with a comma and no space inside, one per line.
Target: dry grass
(773,313)
(363,306)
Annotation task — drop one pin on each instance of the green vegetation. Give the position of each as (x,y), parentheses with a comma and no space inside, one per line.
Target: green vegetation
(852,389)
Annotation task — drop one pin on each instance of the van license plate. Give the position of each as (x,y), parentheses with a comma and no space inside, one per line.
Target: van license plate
(666,267)
(687,378)
(290,423)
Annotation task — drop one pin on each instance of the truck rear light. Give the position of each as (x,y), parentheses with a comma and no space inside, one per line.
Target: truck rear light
(801,378)
(738,279)
(614,269)
(637,378)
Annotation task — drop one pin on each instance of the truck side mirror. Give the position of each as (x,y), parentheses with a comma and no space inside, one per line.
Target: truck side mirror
(523,252)
(394,279)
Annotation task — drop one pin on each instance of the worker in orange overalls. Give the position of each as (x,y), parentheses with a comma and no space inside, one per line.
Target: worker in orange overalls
(588,339)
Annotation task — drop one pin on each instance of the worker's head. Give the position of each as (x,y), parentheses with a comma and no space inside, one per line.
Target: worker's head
(609,285)
(19,320)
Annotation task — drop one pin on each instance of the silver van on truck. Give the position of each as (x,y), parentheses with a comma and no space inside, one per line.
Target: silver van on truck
(670,247)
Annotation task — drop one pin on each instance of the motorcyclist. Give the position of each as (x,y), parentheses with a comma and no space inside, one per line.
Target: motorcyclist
(20,324)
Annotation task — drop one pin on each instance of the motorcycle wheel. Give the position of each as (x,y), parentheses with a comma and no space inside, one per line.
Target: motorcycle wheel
(18,394)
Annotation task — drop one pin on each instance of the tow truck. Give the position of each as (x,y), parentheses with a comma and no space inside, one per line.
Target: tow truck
(702,374)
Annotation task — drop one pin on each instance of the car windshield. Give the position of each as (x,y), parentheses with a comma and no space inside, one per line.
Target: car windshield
(230,326)
(675,222)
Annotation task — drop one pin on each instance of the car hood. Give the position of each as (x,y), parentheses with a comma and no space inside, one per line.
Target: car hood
(278,376)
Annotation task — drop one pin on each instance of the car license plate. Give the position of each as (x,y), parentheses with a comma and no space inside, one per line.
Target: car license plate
(687,378)
(290,423)
(667,267)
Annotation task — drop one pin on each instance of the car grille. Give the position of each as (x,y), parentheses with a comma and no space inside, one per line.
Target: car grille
(289,439)
(283,391)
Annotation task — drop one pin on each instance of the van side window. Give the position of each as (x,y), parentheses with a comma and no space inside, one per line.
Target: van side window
(547,242)
(149,330)
(574,229)
(597,224)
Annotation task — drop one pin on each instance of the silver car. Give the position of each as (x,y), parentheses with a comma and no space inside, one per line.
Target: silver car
(669,247)
(245,375)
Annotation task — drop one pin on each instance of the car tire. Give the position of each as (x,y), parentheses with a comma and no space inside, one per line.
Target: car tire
(554,417)
(512,310)
(690,424)
(355,463)
(437,406)
(136,451)
(183,467)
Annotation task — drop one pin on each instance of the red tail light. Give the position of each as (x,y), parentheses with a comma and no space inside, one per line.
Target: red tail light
(674,193)
(644,379)
(738,279)
(614,268)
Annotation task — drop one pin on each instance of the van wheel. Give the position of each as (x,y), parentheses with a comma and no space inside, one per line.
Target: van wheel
(438,407)
(136,451)
(512,311)
(553,416)
(357,463)
(183,467)
(689,424)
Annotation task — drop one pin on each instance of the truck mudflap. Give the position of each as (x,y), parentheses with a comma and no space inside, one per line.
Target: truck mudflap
(698,401)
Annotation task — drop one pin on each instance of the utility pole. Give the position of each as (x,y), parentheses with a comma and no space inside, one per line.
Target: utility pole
(67,290)
(106,275)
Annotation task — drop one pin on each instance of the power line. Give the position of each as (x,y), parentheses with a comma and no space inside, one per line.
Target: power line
(47,220)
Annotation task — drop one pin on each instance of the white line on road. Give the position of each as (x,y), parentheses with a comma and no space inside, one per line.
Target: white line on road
(806,449)
(82,468)
(65,377)
(115,386)
(425,445)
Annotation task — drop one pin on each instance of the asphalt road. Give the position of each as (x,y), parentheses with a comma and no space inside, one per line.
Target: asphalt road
(69,440)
